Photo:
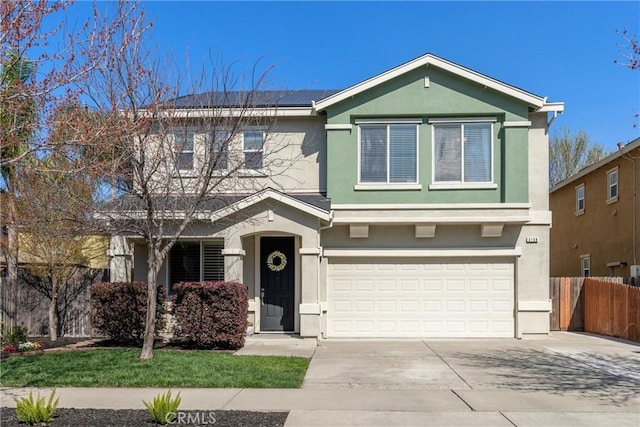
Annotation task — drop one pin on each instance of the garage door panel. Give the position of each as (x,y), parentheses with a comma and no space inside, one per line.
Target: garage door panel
(414,298)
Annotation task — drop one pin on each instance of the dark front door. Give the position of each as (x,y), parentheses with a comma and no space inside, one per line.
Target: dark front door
(276,283)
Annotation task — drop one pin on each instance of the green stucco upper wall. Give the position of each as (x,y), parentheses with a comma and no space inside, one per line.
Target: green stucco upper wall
(447,96)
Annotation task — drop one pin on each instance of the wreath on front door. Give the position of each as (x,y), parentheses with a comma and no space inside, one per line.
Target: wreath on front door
(276,261)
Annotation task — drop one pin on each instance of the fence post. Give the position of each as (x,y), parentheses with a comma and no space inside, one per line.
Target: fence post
(565,303)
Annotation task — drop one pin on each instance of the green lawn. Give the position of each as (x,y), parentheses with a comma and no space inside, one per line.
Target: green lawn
(169,368)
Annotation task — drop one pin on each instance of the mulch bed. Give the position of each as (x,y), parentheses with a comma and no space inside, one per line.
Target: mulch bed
(137,417)
(69,343)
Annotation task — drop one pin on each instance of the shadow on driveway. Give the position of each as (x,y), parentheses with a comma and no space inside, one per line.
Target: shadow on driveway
(611,378)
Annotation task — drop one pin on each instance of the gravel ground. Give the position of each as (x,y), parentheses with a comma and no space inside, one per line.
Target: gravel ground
(137,417)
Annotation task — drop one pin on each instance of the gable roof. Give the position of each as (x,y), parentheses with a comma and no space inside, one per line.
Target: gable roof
(429,59)
(622,151)
(310,205)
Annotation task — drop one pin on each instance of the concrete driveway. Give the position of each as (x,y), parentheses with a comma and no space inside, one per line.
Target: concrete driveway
(565,371)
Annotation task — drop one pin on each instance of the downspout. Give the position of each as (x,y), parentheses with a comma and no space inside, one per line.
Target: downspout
(634,226)
(320,255)
(635,209)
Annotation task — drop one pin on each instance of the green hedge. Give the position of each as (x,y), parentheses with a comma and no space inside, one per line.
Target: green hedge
(119,309)
(211,314)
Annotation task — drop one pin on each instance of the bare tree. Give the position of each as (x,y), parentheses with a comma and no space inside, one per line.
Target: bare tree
(631,55)
(632,51)
(44,61)
(45,64)
(162,161)
(50,206)
(570,153)
(18,115)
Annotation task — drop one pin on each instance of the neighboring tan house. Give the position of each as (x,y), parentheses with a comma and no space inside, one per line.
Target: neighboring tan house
(419,209)
(595,218)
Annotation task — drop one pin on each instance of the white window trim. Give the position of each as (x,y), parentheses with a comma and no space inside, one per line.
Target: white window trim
(388,121)
(192,151)
(584,257)
(454,185)
(261,150)
(608,174)
(440,120)
(208,138)
(584,197)
(390,185)
(202,242)
(464,186)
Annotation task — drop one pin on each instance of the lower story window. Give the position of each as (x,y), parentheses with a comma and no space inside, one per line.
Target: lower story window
(196,261)
(585,264)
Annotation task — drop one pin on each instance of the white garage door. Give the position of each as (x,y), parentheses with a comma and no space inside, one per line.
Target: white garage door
(419,298)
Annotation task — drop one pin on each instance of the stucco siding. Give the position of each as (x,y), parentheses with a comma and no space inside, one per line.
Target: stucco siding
(294,159)
(603,231)
(446,96)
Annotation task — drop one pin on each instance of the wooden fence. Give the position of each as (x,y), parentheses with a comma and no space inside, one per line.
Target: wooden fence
(602,305)
(22,305)
(567,302)
(612,309)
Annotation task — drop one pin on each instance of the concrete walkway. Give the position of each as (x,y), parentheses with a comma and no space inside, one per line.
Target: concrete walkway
(563,380)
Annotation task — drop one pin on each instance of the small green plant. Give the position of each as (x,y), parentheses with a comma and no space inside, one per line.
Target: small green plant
(163,408)
(36,411)
(16,335)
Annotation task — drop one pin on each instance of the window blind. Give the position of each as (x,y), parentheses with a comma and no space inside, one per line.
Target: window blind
(213,261)
(477,152)
(373,154)
(402,153)
(448,153)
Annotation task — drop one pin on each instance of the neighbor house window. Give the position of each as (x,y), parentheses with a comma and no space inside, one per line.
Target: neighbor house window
(196,261)
(612,185)
(253,143)
(218,143)
(585,264)
(580,199)
(183,147)
(388,153)
(462,152)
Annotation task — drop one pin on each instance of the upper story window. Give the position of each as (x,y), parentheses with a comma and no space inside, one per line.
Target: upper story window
(183,147)
(462,151)
(388,153)
(612,185)
(253,143)
(218,144)
(580,205)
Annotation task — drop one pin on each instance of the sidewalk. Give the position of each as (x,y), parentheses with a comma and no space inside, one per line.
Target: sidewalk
(358,407)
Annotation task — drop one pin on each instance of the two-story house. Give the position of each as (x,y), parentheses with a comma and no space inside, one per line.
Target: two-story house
(595,218)
(417,206)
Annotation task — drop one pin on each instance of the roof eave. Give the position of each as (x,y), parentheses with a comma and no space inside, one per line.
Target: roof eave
(551,107)
(212,112)
(432,60)
(272,194)
(624,150)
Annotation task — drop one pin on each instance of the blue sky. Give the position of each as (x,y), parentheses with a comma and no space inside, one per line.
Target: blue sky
(563,50)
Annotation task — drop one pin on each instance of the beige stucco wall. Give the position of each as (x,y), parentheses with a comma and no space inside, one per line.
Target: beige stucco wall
(294,160)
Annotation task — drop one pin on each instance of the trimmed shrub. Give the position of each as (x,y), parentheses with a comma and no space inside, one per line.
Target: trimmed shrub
(211,314)
(119,309)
